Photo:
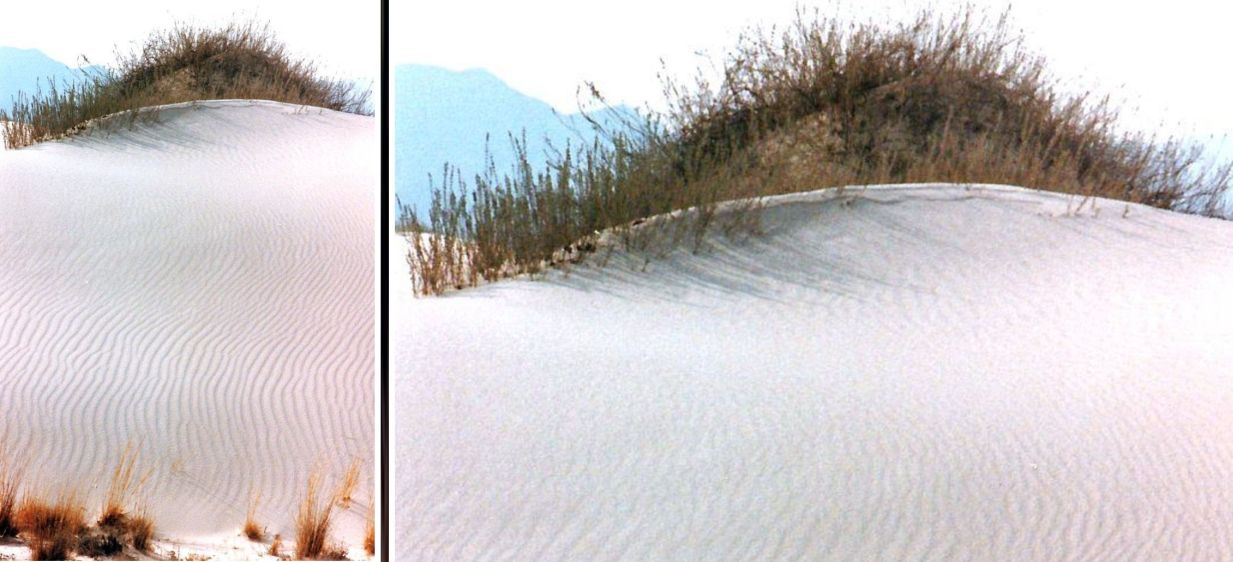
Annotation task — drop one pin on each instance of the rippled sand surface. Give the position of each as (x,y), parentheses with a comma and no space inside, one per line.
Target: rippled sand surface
(891,373)
(202,287)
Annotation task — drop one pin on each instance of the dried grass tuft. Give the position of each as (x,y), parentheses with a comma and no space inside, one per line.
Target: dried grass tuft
(12,473)
(276,547)
(50,529)
(370,534)
(314,519)
(141,530)
(125,484)
(252,529)
(346,486)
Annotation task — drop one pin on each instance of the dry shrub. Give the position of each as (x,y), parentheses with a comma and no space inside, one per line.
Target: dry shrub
(941,98)
(252,530)
(51,530)
(185,63)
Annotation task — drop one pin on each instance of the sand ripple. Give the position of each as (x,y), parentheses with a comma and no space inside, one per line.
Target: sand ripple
(202,286)
(917,374)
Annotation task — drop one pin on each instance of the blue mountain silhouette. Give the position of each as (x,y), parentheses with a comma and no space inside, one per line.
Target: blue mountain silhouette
(442,116)
(24,70)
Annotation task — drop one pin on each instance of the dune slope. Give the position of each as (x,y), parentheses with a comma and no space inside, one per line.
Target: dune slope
(894,373)
(200,286)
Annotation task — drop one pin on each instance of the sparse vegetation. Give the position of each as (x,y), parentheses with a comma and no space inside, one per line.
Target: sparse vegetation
(185,63)
(942,98)
(55,530)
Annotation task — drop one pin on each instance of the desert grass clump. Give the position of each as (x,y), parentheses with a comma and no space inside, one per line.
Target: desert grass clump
(50,529)
(96,542)
(314,519)
(119,523)
(141,531)
(253,530)
(346,486)
(126,483)
(370,534)
(12,472)
(185,63)
(956,98)
(276,547)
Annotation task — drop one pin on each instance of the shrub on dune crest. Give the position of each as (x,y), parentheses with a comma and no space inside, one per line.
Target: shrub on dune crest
(185,63)
(952,98)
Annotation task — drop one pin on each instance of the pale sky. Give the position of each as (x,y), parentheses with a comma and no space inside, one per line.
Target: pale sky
(343,39)
(1170,59)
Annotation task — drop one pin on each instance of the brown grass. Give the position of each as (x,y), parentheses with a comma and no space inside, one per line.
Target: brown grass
(252,530)
(333,552)
(141,530)
(954,98)
(120,523)
(313,520)
(97,542)
(346,486)
(185,63)
(135,530)
(125,484)
(12,472)
(51,530)
(276,547)
(370,534)
(54,530)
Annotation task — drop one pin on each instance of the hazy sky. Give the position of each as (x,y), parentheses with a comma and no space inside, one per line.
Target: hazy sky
(344,39)
(1171,59)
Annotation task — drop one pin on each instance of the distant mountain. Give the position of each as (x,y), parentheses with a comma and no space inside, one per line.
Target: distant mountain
(25,69)
(444,116)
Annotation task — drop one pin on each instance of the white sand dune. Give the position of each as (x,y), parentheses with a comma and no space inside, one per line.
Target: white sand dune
(202,287)
(897,373)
